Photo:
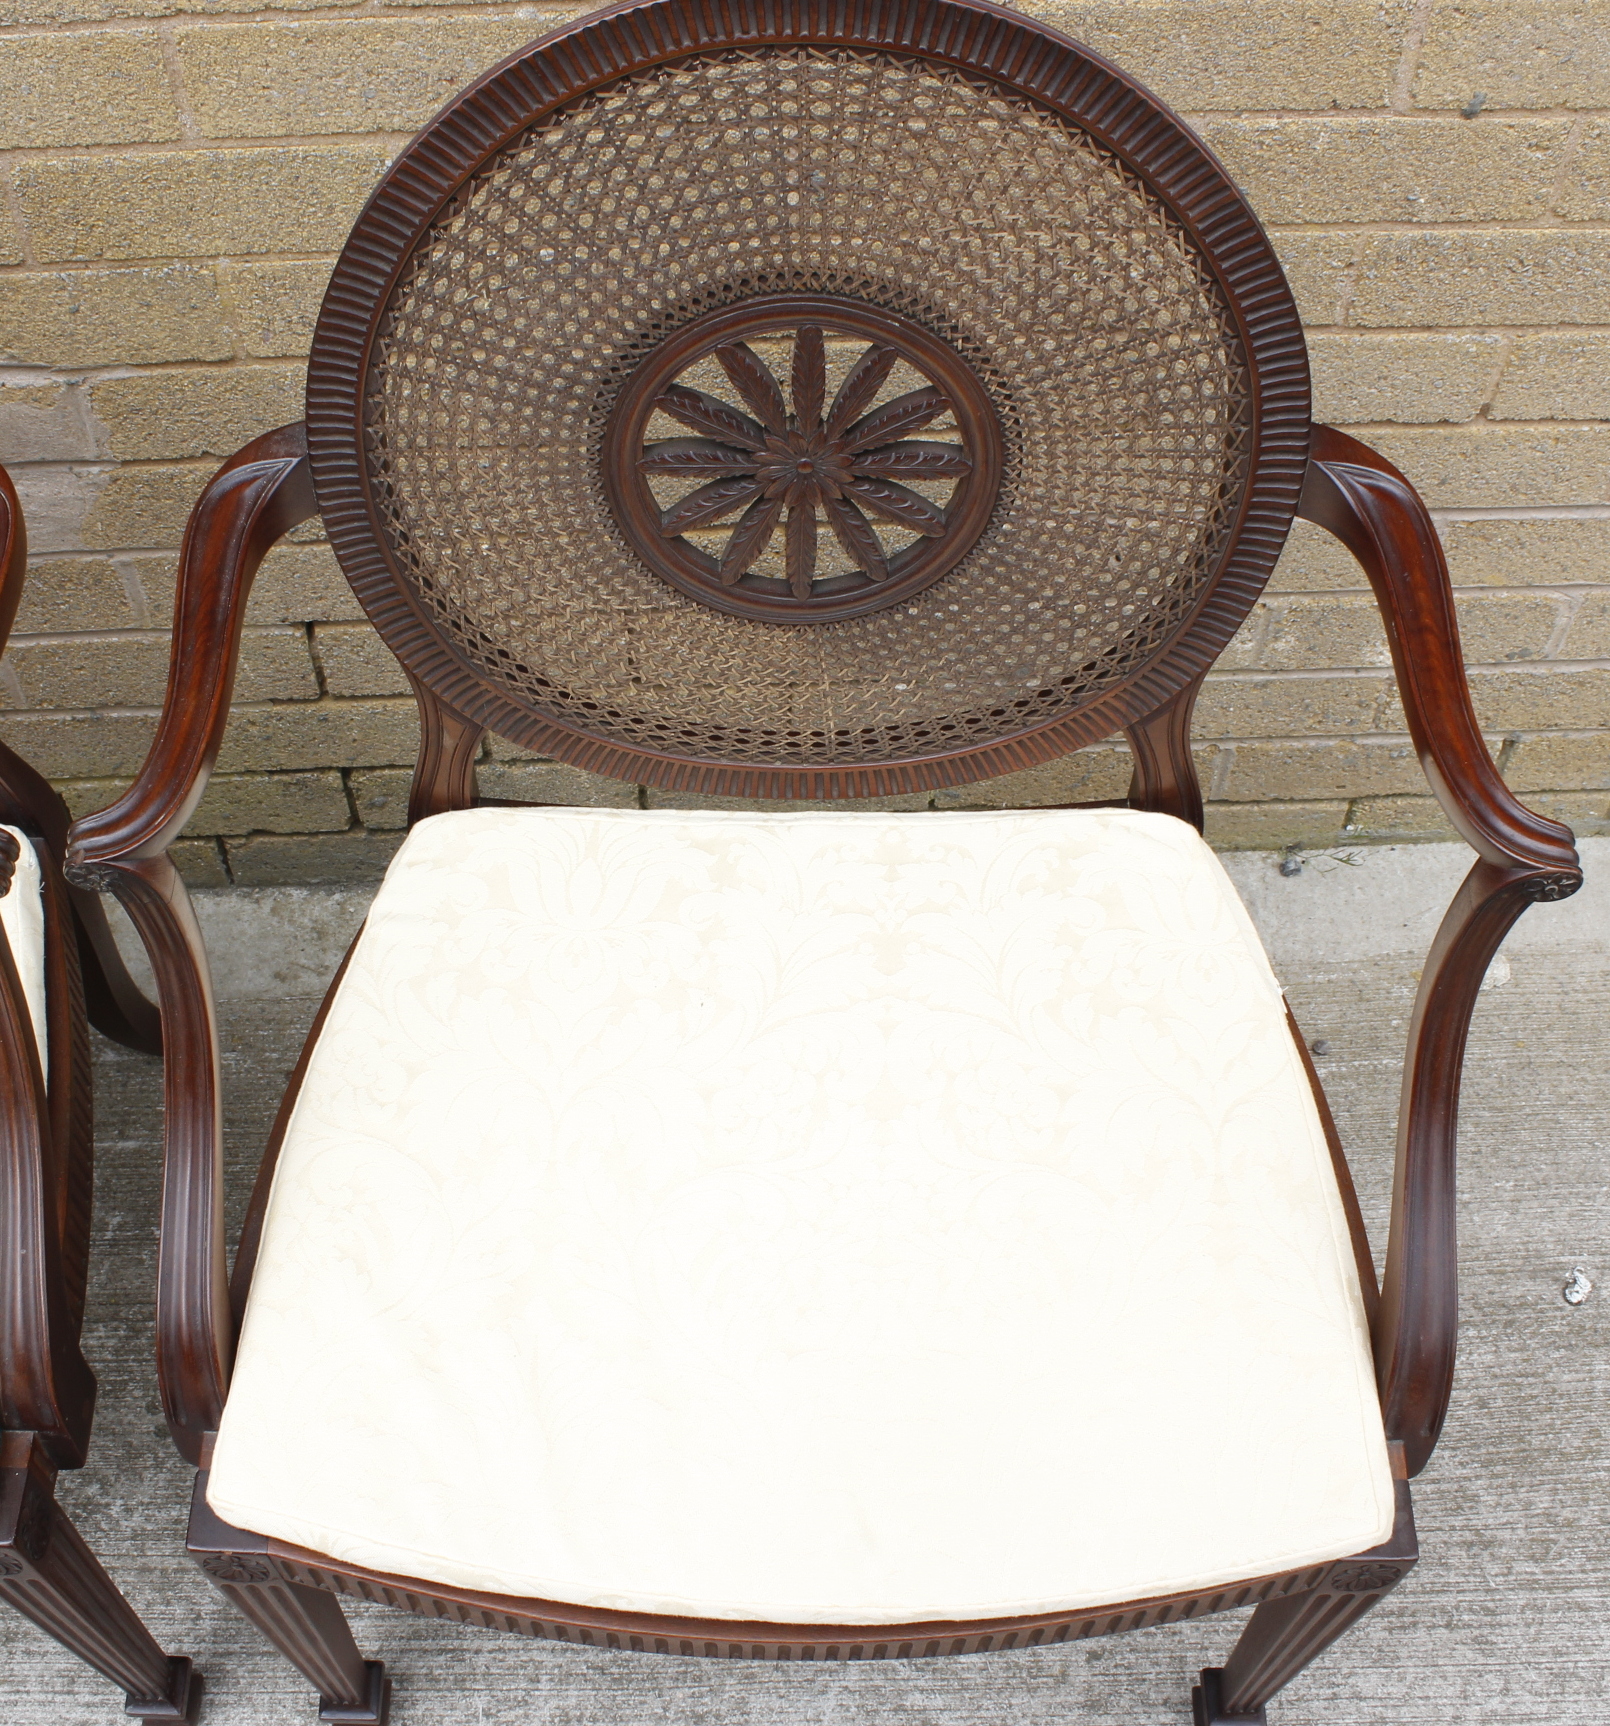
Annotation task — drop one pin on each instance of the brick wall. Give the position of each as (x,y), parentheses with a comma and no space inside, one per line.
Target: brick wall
(176,175)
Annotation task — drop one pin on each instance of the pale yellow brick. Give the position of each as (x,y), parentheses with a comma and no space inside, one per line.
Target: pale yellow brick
(1270,771)
(320,734)
(11,249)
(1556,375)
(352,75)
(1586,194)
(201,411)
(90,87)
(1307,634)
(1208,54)
(200,862)
(44,422)
(1246,645)
(380,795)
(275,306)
(310,860)
(87,745)
(1578,762)
(1487,466)
(195,203)
(140,507)
(1588,635)
(1371,379)
(548,782)
(1274,826)
(1527,553)
(1317,266)
(1517,53)
(1586,813)
(1462,277)
(131,670)
(1086,776)
(87,796)
(1400,820)
(1314,561)
(302,584)
(1548,698)
(98,11)
(1387,168)
(83,318)
(64,593)
(1238,705)
(243,803)
(357,662)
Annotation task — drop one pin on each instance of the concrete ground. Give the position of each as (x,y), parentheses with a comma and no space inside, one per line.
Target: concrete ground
(1507,1618)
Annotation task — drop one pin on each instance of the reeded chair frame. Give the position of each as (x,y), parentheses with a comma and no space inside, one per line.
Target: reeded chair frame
(47,1166)
(1295,468)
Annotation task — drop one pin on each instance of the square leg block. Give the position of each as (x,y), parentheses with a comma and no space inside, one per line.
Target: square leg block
(372,1710)
(1207,1703)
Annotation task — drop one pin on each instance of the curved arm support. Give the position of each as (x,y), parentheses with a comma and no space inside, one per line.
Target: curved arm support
(1416,1328)
(1361,498)
(254,498)
(444,772)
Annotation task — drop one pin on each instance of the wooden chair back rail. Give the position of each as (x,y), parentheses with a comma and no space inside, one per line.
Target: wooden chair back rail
(265,490)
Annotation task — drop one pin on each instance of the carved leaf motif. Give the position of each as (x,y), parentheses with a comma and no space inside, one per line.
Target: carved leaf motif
(895,503)
(752,379)
(709,503)
(704,413)
(859,390)
(696,455)
(750,538)
(801,547)
(10,1566)
(809,384)
(854,533)
(918,460)
(907,413)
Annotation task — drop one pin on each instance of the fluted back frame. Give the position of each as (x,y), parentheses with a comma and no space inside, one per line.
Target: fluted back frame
(1047,249)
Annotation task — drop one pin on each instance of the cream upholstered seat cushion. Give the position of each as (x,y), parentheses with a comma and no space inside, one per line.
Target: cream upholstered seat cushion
(808,1218)
(22,918)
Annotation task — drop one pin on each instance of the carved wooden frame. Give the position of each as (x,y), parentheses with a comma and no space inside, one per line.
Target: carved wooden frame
(268,488)
(47,1390)
(1028,59)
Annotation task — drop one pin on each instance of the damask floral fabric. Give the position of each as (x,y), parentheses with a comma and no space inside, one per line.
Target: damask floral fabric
(22,918)
(822,1217)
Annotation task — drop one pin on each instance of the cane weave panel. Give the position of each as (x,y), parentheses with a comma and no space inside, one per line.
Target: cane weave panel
(1094,322)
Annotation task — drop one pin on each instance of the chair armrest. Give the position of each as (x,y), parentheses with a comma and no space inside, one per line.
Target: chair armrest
(1362,499)
(257,496)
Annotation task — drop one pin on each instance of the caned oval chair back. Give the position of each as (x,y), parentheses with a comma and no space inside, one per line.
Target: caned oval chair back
(860,400)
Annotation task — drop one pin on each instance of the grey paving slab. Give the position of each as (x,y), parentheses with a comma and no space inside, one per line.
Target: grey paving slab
(1506,1620)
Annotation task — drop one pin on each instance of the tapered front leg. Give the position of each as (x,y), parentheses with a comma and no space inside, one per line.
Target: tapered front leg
(307,1625)
(52,1578)
(1284,1634)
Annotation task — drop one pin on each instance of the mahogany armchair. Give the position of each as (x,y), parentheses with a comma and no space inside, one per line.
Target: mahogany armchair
(698,1232)
(56,953)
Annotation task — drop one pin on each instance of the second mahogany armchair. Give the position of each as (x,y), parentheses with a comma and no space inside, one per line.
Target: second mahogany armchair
(824,1232)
